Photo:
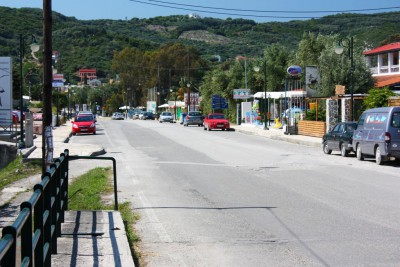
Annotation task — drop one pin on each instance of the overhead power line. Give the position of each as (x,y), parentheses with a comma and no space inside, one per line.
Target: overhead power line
(277,11)
(194,8)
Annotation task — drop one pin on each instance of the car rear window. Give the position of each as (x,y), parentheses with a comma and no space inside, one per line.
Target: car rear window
(194,114)
(396,120)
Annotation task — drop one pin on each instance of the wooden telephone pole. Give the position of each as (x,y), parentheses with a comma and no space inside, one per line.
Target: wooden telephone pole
(47,135)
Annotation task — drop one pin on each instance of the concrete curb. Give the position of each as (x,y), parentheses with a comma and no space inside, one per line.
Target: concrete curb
(275,134)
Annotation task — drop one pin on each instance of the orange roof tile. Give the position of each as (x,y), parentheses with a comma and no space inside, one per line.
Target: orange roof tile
(382,81)
(382,49)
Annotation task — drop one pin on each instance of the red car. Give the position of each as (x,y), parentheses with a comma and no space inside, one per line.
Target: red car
(84,124)
(216,121)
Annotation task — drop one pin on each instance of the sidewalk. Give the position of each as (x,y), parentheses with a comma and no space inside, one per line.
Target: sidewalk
(278,134)
(61,137)
(89,238)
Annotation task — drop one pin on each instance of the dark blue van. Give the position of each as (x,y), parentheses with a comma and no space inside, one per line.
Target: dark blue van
(378,134)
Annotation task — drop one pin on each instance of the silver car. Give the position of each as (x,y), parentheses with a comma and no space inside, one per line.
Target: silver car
(166,117)
(193,118)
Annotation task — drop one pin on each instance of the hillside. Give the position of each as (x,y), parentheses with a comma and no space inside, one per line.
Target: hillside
(91,43)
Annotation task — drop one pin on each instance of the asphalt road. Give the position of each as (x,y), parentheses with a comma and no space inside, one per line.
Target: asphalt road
(230,199)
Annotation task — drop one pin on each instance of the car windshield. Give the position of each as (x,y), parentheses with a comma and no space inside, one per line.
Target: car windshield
(194,114)
(167,114)
(83,118)
(217,116)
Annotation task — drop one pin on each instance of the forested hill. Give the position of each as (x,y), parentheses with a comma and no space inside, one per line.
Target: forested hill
(91,43)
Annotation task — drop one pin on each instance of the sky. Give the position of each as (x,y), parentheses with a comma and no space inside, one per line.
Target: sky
(268,10)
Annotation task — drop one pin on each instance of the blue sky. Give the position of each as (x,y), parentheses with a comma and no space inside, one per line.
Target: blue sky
(127,9)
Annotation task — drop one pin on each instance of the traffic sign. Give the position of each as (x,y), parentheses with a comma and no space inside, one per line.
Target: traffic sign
(219,102)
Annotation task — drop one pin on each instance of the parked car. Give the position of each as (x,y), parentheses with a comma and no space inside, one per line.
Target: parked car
(83,124)
(193,118)
(378,134)
(339,138)
(118,116)
(146,116)
(216,121)
(166,117)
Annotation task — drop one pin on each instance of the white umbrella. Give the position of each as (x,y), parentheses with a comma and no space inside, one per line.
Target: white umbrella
(124,107)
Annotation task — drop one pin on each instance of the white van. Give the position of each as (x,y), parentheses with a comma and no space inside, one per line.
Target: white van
(378,134)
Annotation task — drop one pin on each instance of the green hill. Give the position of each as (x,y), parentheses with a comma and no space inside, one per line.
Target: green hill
(91,43)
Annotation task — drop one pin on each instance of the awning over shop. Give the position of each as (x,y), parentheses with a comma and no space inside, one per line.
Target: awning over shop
(382,81)
(277,95)
(164,106)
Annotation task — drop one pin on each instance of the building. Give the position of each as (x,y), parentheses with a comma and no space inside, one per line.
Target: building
(88,74)
(383,62)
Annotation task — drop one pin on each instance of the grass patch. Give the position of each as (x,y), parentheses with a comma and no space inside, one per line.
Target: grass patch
(85,193)
(17,170)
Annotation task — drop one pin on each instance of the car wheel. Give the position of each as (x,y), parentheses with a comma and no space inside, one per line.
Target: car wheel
(73,133)
(378,156)
(160,121)
(94,133)
(326,149)
(359,155)
(343,151)
(204,128)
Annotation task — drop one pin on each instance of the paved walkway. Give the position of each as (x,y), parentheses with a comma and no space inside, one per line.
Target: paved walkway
(278,134)
(97,238)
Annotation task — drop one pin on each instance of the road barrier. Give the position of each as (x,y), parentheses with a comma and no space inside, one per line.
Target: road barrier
(38,224)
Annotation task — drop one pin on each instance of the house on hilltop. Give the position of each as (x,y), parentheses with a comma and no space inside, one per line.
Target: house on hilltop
(87,74)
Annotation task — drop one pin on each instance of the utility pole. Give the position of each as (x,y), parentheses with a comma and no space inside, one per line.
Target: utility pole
(188,81)
(47,135)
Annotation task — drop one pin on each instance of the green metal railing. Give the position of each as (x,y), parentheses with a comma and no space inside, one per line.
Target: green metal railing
(38,224)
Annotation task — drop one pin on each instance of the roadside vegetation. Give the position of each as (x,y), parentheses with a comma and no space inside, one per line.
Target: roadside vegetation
(17,170)
(90,192)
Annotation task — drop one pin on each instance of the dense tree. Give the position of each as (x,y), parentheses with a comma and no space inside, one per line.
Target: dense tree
(377,98)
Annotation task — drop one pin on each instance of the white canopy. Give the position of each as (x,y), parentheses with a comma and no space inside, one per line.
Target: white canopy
(164,106)
(278,95)
(125,107)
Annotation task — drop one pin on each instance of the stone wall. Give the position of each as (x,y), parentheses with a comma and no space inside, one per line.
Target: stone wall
(8,152)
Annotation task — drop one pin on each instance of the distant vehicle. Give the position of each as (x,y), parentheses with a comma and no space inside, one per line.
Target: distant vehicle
(146,116)
(166,117)
(340,138)
(216,121)
(193,118)
(378,134)
(83,124)
(136,114)
(118,116)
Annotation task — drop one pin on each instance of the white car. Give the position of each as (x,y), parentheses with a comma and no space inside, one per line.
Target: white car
(118,116)
(166,117)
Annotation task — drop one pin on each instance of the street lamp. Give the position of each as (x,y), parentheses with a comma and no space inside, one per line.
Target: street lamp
(34,48)
(257,69)
(339,50)
(127,103)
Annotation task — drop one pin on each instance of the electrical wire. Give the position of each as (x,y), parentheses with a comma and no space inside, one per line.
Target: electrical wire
(277,11)
(179,7)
